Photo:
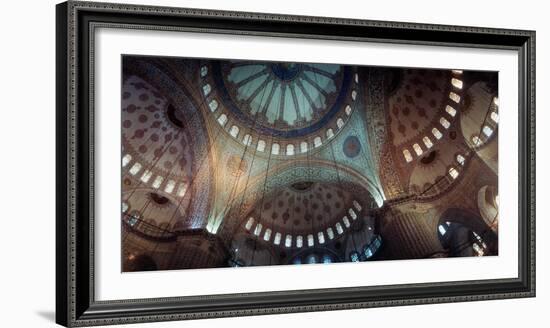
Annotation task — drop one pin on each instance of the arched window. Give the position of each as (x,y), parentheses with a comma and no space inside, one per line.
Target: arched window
(442,229)
(124,207)
(206,89)
(457,83)
(275,149)
(135,168)
(494,117)
(126,159)
(417,149)
(330,233)
(339,123)
(352,213)
(354,257)
(476,141)
(311,259)
(317,142)
(258,229)
(446,124)
(437,134)
(339,228)
(372,247)
(479,245)
(303,147)
(356,78)
(357,205)
(478,249)
(204,71)
(348,110)
(234,131)
(158,181)
(310,241)
(249,223)
(495,100)
(247,139)
(453,173)
(407,155)
(261,145)
(267,234)
(377,242)
(170,185)
(321,237)
(299,241)
(147,174)
(450,110)
(222,119)
(133,219)
(487,130)
(290,150)
(457,71)
(277,239)
(327,259)
(330,133)
(353,94)
(182,189)
(427,142)
(213,105)
(288,241)
(346,221)
(454,97)
(460,159)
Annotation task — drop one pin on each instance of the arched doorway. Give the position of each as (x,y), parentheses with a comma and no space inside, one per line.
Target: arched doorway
(463,233)
(487,202)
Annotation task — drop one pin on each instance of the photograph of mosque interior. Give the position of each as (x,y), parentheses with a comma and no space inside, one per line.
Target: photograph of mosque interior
(236,163)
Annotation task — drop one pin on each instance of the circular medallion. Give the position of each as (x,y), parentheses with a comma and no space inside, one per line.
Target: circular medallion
(352,146)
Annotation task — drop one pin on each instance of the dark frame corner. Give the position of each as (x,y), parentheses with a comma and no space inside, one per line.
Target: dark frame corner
(75,304)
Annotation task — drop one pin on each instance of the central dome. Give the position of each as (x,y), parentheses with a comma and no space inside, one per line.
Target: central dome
(282,99)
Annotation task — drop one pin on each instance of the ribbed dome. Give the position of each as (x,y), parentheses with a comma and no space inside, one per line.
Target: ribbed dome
(282,99)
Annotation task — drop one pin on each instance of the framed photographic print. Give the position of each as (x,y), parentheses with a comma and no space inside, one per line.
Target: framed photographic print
(214,163)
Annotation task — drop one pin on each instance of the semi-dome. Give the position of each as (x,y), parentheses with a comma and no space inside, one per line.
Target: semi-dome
(306,213)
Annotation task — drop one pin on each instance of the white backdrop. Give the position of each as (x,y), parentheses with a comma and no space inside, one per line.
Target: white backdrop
(27,140)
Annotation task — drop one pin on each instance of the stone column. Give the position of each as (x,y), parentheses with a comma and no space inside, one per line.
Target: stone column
(408,236)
